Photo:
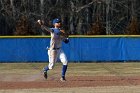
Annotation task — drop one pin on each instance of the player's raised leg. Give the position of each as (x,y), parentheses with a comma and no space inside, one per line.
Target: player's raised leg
(52,60)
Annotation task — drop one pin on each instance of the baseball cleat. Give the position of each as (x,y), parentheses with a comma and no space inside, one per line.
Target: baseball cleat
(45,74)
(63,79)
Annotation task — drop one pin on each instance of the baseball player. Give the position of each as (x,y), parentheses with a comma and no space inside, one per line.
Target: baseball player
(55,51)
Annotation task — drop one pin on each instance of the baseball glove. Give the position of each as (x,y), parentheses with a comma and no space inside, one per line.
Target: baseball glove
(66,40)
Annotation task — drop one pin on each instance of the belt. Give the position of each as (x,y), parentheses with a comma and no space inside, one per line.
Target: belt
(54,48)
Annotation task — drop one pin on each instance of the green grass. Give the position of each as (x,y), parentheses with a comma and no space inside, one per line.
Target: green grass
(74,69)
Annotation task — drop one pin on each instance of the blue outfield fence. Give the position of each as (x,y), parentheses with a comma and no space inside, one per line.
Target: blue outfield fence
(80,49)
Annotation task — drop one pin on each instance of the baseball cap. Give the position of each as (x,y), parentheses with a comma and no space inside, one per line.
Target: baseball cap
(56,20)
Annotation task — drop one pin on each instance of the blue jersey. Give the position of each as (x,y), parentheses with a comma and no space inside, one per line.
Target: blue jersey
(56,39)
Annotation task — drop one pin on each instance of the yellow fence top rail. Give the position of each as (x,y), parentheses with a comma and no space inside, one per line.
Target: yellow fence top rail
(72,36)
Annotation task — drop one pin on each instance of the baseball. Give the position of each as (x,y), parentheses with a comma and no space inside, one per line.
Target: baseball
(38,21)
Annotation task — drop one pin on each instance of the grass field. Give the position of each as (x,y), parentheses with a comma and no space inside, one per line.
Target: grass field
(74,69)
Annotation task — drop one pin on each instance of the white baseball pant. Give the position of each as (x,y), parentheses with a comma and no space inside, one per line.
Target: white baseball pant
(54,55)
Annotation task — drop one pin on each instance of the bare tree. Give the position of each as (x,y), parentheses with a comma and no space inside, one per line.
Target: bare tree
(78,16)
(132,28)
(23,27)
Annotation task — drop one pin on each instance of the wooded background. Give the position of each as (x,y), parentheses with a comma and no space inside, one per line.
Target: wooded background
(79,17)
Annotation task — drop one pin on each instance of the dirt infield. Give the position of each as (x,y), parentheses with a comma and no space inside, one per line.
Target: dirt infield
(77,81)
(20,76)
